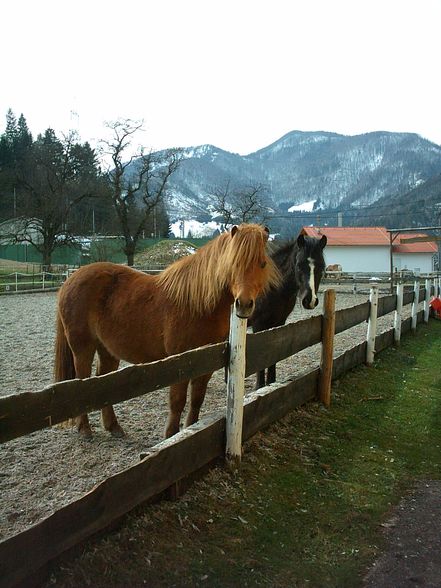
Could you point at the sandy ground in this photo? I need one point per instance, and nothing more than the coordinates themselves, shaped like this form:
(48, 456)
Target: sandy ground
(46, 470)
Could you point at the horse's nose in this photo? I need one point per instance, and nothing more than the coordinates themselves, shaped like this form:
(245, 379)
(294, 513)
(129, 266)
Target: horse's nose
(244, 308)
(309, 302)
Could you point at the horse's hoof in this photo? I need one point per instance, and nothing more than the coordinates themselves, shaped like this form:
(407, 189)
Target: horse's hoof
(85, 433)
(117, 431)
(170, 431)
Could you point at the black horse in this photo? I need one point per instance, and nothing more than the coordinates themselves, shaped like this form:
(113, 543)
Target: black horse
(301, 265)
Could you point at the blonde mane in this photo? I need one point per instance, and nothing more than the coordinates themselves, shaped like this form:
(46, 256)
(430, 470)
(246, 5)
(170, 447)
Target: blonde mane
(196, 283)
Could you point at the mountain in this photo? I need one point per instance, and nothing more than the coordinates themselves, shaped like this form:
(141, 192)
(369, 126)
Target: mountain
(333, 170)
(418, 207)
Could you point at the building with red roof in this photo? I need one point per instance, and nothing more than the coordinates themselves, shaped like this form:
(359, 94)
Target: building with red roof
(367, 249)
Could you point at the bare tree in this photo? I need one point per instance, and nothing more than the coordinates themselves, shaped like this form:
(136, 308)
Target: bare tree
(136, 184)
(243, 204)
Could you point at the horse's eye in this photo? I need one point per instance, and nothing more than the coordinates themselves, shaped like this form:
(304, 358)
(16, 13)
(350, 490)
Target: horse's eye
(263, 264)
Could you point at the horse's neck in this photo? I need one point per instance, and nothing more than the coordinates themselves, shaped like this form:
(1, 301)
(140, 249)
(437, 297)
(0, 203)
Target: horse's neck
(287, 267)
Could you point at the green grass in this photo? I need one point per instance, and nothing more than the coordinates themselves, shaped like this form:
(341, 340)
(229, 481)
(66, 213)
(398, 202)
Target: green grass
(306, 507)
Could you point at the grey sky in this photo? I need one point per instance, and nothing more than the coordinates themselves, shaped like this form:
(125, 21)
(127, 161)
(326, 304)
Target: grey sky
(235, 73)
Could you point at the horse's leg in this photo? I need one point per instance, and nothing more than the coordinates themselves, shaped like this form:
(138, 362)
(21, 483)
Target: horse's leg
(198, 389)
(271, 375)
(107, 363)
(177, 400)
(83, 368)
(260, 379)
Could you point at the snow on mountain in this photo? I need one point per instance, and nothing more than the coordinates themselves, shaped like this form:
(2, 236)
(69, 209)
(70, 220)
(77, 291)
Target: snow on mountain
(301, 168)
(194, 228)
(304, 207)
(335, 170)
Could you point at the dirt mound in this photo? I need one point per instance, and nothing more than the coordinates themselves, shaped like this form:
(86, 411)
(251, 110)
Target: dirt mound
(164, 253)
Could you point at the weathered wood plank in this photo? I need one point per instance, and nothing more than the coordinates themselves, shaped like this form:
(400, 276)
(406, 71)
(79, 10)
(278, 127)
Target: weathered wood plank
(268, 347)
(167, 462)
(386, 304)
(271, 403)
(348, 360)
(408, 297)
(21, 414)
(346, 318)
(384, 340)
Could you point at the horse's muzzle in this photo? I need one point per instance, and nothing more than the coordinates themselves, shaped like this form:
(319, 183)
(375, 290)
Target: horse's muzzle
(244, 309)
(309, 303)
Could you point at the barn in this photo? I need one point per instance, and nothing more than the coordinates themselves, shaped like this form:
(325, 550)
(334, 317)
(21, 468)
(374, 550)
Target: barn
(367, 249)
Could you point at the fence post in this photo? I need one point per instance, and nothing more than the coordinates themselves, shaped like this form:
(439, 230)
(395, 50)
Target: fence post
(16, 281)
(416, 295)
(327, 357)
(235, 388)
(398, 313)
(43, 278)
(428, 286)
(372, 326)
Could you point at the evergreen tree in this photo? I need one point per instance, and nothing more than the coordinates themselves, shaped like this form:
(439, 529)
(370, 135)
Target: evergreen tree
(11, 132)
(52, 178)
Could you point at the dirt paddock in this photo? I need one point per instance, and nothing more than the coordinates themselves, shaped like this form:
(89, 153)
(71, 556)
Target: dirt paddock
(48, 469)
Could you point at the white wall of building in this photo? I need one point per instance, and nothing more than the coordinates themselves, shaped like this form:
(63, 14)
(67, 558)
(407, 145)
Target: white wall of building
(415, 262)
(354, 258)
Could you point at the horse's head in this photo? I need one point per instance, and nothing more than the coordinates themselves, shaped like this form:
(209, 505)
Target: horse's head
(252, 271)
(310, 266)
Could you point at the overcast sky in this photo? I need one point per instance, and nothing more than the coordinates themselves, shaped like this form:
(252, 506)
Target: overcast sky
(238, 74)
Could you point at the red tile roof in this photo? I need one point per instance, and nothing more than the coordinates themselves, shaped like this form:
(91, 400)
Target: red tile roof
(368, 236)
(419, 247)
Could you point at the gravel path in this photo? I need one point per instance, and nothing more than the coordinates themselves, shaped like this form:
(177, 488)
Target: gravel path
(46, 470)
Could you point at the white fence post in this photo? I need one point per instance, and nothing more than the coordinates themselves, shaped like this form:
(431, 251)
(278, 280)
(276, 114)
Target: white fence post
(43, 279)
(398, 313)
(416, 295)
(372, 326)
(16, 281)
(428, 285)
(235, 388)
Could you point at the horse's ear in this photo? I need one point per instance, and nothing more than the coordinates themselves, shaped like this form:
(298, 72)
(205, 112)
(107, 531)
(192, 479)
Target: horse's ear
(234, 230)
(267, 231)
(323, 241)
(301, 240)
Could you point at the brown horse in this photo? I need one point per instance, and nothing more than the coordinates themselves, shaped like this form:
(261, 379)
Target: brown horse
(122, 313)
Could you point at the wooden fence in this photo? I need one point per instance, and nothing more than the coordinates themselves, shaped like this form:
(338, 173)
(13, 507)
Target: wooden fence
(193, 448)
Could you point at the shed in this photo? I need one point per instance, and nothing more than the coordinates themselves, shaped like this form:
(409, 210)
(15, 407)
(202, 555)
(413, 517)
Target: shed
(367, 249)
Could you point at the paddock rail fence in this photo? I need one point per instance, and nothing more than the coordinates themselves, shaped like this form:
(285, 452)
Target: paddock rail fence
(169, 465)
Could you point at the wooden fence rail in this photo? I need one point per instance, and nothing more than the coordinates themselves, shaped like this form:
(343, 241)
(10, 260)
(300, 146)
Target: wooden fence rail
(21, 414)
(178, 457)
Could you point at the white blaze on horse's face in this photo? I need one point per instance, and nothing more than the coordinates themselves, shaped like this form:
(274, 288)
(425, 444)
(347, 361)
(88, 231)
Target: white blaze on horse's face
(313, 302)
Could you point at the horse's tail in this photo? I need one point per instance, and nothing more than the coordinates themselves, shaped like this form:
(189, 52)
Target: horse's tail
(64, 368)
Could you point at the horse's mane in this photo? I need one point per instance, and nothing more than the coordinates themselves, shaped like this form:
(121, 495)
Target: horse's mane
(284, 255)
(196, 283)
